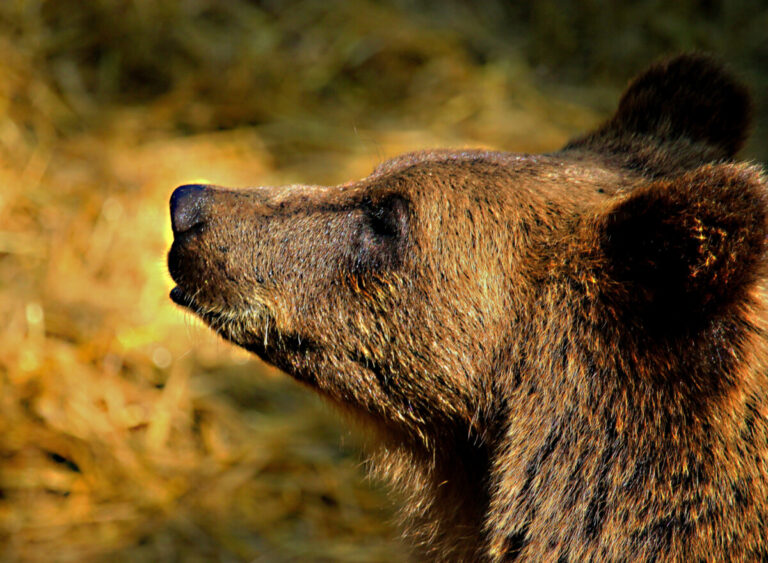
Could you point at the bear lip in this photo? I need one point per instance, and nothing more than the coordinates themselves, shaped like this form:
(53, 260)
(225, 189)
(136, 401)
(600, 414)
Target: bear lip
(180, 297)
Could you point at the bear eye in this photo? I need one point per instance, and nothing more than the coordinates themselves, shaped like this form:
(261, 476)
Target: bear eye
(388, 216)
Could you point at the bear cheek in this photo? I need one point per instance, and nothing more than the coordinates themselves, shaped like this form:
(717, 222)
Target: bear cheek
(295, 267)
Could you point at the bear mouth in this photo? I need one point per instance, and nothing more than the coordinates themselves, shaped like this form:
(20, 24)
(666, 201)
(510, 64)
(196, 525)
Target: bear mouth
(180, 297)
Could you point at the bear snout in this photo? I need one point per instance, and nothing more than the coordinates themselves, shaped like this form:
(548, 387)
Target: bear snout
(188, 207)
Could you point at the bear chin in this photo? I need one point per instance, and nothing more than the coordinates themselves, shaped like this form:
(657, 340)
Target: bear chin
(251, 329)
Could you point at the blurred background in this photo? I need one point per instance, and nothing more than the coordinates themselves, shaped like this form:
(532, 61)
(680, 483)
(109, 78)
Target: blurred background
(127, 431)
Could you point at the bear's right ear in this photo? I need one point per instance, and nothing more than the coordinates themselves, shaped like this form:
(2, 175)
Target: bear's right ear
(675, 250)
(675, 116)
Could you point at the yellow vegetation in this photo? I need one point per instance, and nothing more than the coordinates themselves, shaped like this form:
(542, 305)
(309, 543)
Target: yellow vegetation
(127, 431)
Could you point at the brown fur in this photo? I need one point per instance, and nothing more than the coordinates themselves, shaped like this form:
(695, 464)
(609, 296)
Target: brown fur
(563, 356)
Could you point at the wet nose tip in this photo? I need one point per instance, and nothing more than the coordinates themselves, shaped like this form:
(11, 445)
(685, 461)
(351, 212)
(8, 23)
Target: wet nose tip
(187, 204)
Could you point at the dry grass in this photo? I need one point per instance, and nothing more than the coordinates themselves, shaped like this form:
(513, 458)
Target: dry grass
(128, 432)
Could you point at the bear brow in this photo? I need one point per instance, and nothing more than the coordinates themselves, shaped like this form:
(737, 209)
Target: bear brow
(407, 161)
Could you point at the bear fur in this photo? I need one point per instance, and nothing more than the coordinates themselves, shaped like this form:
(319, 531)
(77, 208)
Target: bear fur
(562, 356)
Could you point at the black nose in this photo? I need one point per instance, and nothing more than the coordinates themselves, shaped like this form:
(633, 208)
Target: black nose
(187, 207)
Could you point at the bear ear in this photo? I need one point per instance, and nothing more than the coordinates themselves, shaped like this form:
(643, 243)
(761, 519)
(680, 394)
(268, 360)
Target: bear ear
(687, 247)
(690, 101)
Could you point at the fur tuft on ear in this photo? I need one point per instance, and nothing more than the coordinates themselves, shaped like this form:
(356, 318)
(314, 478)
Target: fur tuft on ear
(689, 106)
(688, 247)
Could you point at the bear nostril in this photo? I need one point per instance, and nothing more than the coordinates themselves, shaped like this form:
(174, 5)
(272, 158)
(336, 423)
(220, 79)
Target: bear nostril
(188, 207)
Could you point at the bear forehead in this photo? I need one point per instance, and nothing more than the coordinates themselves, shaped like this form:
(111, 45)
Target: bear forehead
(540, 171)
(571, 178)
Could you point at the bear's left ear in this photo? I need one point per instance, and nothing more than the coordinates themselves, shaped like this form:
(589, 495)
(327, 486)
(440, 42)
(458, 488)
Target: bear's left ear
(688, 246)
(677, 115)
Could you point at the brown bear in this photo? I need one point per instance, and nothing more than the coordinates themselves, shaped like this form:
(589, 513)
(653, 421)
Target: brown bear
(562, 356)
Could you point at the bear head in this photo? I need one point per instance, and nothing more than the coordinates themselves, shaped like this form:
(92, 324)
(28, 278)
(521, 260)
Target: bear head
(548, 347)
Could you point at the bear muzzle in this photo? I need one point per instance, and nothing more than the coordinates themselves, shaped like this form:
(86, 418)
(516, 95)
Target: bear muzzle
(212, 263)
